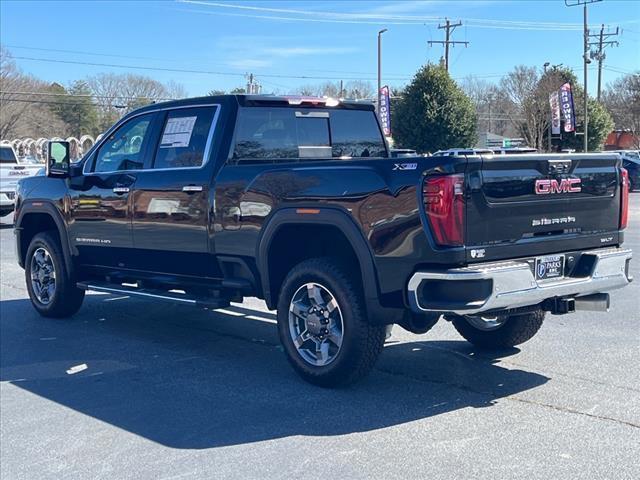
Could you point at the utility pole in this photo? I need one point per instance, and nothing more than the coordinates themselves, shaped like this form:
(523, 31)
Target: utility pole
(379, 69)
(586, 60)
(448, 28)
(253, 87)
(599, 54)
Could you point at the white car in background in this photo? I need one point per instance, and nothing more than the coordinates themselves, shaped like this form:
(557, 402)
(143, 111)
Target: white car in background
(10, 172)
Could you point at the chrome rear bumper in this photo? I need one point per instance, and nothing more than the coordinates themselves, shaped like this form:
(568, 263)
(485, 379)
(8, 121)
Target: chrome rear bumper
(511, 284)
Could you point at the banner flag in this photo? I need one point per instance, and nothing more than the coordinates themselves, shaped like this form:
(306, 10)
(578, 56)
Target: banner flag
(384, 110)
(568, 112)
(554, 102)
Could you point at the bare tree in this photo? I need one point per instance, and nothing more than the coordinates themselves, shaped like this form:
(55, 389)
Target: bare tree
(527, 93)
(359, 89)
(492, 108)
(120, 93)
(622, 99)
(22, 114)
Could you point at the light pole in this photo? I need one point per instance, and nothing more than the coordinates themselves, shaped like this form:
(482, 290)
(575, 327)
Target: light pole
(379, 68)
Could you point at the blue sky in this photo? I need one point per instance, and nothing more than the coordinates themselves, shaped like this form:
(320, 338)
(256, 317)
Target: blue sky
(279, 41)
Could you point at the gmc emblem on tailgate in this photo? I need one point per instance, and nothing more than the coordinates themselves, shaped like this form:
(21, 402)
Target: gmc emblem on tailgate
(565, 185)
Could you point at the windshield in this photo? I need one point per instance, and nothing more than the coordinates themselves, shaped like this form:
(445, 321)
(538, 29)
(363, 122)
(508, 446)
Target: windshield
(7, 155)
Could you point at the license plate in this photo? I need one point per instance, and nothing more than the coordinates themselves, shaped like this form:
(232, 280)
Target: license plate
(549, 267)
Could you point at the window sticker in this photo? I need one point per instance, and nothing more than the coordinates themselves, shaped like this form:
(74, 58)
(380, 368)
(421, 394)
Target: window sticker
(177, 132)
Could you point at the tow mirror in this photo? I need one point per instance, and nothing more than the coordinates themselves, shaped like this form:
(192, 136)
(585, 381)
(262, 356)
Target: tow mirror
(58, 159)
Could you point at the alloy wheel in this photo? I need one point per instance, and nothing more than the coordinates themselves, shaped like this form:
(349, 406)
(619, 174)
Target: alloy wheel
(43, 276)
(316, 324)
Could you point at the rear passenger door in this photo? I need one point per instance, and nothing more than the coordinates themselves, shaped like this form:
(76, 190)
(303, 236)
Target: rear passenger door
(171, 196)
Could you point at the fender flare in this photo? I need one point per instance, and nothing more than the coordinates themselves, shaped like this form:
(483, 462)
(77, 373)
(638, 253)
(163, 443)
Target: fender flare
(326, 216)
(45, 207)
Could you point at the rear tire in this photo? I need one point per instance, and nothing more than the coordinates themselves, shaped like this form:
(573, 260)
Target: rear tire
(51, 288)
(320, 298)
(512, 330)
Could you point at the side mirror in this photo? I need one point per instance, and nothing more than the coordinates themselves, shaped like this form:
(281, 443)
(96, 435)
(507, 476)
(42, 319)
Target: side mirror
(58, 159)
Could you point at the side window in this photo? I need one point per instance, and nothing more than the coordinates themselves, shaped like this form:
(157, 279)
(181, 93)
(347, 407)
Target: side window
(268, 134)
(355, 133)
(184, 138)
(124, 149)
(265, 134)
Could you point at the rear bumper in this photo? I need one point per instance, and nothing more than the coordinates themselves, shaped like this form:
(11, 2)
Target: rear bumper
(512, 284)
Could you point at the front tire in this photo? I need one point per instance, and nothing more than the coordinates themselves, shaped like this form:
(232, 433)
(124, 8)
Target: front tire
(501, 331)
(323, 326)
(52, 290)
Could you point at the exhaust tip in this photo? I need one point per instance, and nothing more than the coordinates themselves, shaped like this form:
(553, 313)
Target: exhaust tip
(597, 302)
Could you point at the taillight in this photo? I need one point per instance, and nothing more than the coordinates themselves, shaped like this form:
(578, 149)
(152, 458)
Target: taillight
(624, 195)
(444, 207)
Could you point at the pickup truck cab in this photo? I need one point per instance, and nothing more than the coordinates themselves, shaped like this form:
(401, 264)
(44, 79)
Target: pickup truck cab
(10, 172)
(295, 200)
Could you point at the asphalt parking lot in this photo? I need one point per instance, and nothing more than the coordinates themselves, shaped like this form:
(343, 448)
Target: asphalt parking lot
(174, 392)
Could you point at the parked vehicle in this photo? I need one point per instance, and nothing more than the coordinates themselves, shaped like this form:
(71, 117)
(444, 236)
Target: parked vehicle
(452, 152)
(402, 152)
(514, 150)
(631, 161)
(293, 200)
(10, 172)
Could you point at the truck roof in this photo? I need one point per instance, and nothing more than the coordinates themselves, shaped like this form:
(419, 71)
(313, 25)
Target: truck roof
(267, 100)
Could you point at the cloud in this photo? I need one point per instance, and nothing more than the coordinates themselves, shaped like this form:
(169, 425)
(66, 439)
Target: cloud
(247, 63)
(286, 52)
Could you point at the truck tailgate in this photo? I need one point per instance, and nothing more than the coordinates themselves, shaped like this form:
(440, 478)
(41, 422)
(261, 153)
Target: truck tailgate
(542, 203)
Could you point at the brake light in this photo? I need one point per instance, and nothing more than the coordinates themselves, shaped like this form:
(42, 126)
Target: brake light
(444, 207)
(624, 194)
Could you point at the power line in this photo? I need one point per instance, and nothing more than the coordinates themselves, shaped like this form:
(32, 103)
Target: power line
(267, 13)
(83, 95)
(178, 70)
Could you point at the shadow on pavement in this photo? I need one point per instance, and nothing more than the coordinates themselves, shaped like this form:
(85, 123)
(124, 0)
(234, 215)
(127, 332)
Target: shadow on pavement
(178, 377)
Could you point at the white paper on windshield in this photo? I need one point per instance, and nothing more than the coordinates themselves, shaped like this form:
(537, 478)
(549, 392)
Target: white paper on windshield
(177, 132)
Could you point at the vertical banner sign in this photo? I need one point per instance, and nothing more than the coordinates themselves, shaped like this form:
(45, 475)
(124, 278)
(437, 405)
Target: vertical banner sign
(385, 110)
(554, 103)
(566, 104)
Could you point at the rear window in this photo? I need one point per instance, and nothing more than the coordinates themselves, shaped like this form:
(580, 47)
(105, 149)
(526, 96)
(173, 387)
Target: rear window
(7, 155)
(266, 134)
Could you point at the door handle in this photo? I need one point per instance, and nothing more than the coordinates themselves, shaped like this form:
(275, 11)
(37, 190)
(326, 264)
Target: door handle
(120, 190)
(192, 188)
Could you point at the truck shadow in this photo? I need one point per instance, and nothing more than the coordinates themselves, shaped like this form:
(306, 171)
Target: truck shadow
(180, 378)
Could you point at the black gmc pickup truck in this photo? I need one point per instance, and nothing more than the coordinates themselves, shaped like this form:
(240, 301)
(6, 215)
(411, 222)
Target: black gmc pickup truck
(296, 201)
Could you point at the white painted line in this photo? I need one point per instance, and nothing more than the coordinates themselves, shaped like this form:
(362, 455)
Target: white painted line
(77, 368)
(262, 319)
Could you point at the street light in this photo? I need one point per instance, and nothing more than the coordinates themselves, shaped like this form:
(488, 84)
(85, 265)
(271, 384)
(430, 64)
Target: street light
(546, 64)
(379, 68)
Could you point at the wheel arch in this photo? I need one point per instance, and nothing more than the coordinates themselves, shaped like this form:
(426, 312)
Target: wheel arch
(334, 223)
(37, 218)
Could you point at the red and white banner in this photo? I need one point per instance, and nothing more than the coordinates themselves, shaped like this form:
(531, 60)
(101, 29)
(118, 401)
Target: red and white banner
(384, 110)
(566, 104)
(554, 103)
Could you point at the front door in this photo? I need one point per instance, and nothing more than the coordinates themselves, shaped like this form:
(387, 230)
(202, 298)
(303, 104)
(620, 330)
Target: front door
(171, 197)
(100, 219)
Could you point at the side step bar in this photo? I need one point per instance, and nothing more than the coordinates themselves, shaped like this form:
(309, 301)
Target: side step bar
(149, 293)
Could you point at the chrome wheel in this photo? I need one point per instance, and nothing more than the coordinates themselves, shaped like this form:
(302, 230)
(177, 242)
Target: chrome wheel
(486, 323)
(315, 324)
(43, 276)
